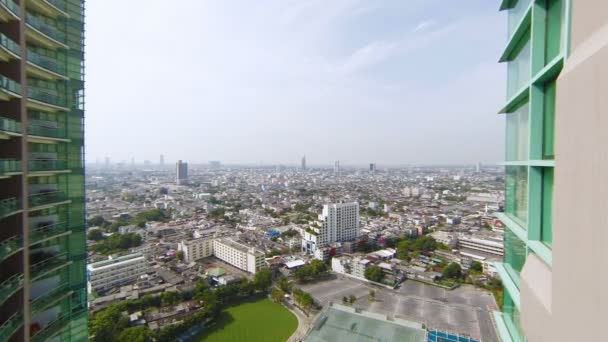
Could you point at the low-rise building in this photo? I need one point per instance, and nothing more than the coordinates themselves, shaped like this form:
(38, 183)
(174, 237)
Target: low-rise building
(196, 249)
(238, 255)
(107, 274)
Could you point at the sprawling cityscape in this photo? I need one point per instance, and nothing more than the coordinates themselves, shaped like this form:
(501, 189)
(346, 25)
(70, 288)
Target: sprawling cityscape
(176, 249)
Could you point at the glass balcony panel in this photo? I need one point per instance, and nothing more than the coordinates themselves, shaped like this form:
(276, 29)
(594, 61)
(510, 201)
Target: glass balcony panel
(10, 45)
(10, 286)
(9, 125)
(52, 328)
(518, 69)
(9, 166)
(9, 205)
(9, 247)
(46, 96)
(516, 14)
(10, 85)
(512, 317)
(517, 134)
(46, 63)
(516, 194)
(45, 198)
(12, 6)
(45, 232)
(46, 28)
(48, 264)
(8, 328)
(45, 131)
(60, 4)
(47, 165)
(50, 297)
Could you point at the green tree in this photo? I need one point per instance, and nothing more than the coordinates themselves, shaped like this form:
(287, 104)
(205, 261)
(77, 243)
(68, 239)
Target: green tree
(95, 235)
(476, 266)
(352, 299)
(374, 273)
(180, 255)
(344, 300)
(263, 279)
(135, 334)
(403, 249)
(452, 271)
(284, 284)
(277, 295)
(169, 298)
(107, 324)
(97, 221)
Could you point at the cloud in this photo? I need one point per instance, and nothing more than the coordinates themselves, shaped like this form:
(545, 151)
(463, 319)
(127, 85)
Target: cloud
(424, 25)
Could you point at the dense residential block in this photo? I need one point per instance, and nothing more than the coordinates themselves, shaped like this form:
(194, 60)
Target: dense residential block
(42, 207)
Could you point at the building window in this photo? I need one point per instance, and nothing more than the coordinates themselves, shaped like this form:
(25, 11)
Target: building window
(549, 120)
(517, 135)
(512, 317)
(547, 207)
(516, 196)
(518, 69)
(515, 255)
(553, 29)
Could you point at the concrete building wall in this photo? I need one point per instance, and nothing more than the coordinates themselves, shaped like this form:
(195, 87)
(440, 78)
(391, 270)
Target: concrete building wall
(580, 256)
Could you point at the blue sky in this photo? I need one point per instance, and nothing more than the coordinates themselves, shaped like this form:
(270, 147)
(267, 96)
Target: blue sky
(391, 82)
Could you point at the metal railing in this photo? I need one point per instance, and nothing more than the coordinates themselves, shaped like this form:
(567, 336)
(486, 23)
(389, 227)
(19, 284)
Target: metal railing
(10, 45)
(48, 298)
(10, 286)
(45, 198)
(46, 96)
(46, 232)
(10, 85)
(41, 268)
(47, 29)
(47, 165)
(8, 328)
(9, 205)
(9, 247)
(11, 6)
(44, 131)
(46, 63)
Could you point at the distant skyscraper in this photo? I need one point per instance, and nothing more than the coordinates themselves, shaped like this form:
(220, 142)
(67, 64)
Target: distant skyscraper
(303, 163)
(162, 160)
(181, 172)
(107, 162)
(338, 223)
(132, 161)
(478, 167)
(337, 167)
(372, 167)
(215, 164)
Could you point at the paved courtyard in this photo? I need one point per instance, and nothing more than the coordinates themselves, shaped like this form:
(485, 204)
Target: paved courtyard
(465, 310)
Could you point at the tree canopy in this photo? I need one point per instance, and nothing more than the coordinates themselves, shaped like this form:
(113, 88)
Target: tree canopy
(374, 273)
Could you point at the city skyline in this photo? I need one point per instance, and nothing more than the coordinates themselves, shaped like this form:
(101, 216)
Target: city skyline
(336, 83)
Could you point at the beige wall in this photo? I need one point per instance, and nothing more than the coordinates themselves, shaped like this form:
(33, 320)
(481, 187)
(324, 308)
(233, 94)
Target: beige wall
(580, 243)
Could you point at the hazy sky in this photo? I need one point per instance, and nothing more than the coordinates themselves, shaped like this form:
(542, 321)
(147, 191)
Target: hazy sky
(391, 82)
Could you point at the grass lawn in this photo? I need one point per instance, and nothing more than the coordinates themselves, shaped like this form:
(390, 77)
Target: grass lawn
(258, 321)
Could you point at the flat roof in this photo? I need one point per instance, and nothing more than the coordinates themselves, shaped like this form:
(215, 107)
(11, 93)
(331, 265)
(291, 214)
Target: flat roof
(338, 325)
(295, 263)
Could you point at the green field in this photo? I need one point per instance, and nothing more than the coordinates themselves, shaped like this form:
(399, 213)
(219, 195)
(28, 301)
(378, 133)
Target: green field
(262, 320)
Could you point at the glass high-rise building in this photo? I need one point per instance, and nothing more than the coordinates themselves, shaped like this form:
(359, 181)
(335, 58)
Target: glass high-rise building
(556, 166)
(42, 198)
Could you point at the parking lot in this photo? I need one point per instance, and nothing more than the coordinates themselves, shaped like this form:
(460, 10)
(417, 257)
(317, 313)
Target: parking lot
(465, 310)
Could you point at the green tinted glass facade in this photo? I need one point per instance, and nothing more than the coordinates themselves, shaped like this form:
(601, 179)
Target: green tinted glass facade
(42, 209)
(535, 52)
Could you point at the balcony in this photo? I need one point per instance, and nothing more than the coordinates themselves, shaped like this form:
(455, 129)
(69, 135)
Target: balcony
(47, 199)
(48, 265)
(44, 33)
(9, 89)
(9, 247)
(9, 49)
(49, 165)
(45, 67)
(9, 127)
(46, 131)
(9, 206)
(51, 8)
(52, 328)
(9, 167)
(9, 10)
(10, 326)
(10, 286)
(43, 99)
(49, 298)
(44, 233)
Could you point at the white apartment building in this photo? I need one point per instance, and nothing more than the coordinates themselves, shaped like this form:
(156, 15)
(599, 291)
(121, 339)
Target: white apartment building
(338, 223)
(196, 249)
(488, 245)
(238, 255)
(104, 275)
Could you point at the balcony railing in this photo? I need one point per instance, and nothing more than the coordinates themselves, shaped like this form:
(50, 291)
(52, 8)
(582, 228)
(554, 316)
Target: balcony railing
(10, 44)
(44, 131)
(8, 328)
(46, 63)
(11, 5)
(45, 96)
(52, 328)
(10, 286)
(46, 232)
(48, 265)
(60, 4)
(9, 166)
(10, 85)
(47, 165)
(50, 297)
(9, 247)
(9, 125)
(45, 198)
(46, 28)
(9, 205)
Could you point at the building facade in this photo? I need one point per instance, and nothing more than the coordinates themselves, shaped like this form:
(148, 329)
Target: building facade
(107, 274)
(555, 234)
(338, 223)
(238, 255)
(196, 249)
(181, 173)
(42, 202)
